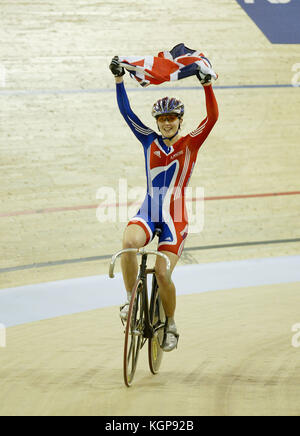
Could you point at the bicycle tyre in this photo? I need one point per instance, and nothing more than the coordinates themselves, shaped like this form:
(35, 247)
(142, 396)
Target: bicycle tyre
(157, 319)
(133, 333)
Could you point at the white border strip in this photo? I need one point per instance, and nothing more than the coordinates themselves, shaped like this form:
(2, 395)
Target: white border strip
(49, 300)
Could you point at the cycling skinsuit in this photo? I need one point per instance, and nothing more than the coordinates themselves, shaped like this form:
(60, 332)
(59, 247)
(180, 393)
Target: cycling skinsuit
(168, 171)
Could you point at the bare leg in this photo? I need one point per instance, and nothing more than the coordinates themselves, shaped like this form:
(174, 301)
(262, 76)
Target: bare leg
(167, 289)
(134, 237)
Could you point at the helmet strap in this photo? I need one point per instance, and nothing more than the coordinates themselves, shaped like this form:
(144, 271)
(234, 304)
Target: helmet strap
(170, 139)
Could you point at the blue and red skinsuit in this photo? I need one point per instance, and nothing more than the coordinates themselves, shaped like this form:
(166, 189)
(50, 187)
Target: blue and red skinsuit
(168, 171)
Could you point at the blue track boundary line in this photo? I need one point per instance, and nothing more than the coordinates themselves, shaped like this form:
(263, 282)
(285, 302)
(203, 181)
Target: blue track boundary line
(33, 92)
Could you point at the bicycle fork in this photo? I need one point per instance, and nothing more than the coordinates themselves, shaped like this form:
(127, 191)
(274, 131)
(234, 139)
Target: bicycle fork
(148, 329)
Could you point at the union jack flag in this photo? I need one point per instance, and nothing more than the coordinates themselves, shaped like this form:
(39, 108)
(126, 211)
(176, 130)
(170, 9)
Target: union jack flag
(177, 64)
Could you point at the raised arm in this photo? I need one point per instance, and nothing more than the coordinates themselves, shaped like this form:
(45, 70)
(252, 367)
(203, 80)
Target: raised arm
(142, 132)
(199, 135)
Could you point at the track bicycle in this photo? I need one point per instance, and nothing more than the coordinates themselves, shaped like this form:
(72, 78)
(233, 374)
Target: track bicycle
(145, 322)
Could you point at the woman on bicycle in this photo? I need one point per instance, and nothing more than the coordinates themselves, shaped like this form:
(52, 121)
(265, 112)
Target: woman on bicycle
(169, 161)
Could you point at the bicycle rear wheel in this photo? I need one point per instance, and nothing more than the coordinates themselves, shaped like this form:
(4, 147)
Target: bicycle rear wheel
(157, 319)
(133, 333)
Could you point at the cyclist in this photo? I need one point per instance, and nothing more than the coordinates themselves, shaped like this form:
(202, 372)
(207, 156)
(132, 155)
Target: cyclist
(169, 161)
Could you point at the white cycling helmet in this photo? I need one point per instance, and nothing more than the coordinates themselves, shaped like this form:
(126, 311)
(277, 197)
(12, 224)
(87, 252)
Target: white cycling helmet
(167, 106)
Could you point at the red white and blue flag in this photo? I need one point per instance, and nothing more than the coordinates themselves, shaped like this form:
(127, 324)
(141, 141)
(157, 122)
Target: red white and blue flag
(177, 64)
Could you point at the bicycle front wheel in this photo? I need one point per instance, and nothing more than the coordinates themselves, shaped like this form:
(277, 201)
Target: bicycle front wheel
(158, 320)
(133, 333)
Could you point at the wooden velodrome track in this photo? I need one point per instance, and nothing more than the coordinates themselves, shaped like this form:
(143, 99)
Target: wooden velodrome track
(59, 145)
